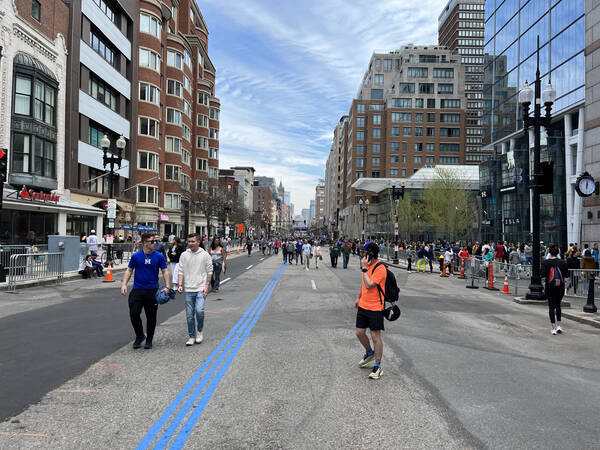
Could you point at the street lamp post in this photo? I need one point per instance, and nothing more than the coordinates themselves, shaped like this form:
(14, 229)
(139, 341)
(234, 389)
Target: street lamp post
(364, 208)
(536, 291)
(111, 161)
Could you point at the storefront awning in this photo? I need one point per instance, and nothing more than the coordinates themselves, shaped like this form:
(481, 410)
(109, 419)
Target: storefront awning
(13, 199)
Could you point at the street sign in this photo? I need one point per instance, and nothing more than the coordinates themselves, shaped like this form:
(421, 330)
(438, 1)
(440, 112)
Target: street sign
(111, 209)
(227, 230)
(111, 224)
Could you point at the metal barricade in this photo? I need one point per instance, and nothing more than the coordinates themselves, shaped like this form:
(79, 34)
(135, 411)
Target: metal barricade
(34, 267)
(578, 283)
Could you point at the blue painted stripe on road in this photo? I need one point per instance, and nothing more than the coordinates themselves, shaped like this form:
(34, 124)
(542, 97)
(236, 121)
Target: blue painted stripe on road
(188, 426)
(172, 408)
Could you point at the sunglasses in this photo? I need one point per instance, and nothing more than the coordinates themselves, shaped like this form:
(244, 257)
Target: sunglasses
(153, 241)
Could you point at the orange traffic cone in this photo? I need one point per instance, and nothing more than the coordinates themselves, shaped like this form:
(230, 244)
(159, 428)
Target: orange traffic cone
(444, 274)
(228, 253)
(108, 278)
(505, 290)
(462, 269)
(238, 251)
(490, 285)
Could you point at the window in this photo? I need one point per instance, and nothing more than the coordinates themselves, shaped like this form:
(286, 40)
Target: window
(95, 134)
(449, 148)
(43, 163)
(185, 158)
(387, 64)
(418, 131)
(393, 172)
(406, 131)
(213, 172)
(201, 185)
(404, 146)
(172, 173)
(418, 117)
(101, 92)
(21, 153)
(213, 153)
(450, 118)
(360, 121)
(430, 160)
(172, 201)
(418, 159)
(450, 104)
(147, 161)
(201, 164)
(214, 113)
(394, 159)
(426, 88)
(187, 109)
(174, 88)
(376, 119)
(148, 194)
(149, 59)
(418, 146)
(395, 131)
(430, 117)
(418, 103)
(23, 96)
(403, 172)
(35, 10)
(450, 132)
(187, 84)
(203, 98)
(173, 116)
(360, 149)
(444, 88)
(403, 159)
(202, 120)
(202, 142)
(430, 131)
(150, 24)
(375, 174)
(148, 127)
(100, 46)
(360, 162)
(360, 135)
(107, 10)
(402, 103)
(431, 103)
(172, 144)
(360, 174)
(187, 59)
(406, 88)
(378, 64)
(186, 133)
(43, 103)
(401, 117)
(417, 72)
(448, 159)
(375, 161)
(395, 146)
(376, 94)
(376, 148)
(376, 133)
(430, 147)
(378, 79)
(214, 133)
(174, 59)
(360, 107)
(149, 93)
(443, 72)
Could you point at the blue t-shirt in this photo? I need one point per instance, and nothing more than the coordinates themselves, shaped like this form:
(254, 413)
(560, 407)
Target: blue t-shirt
(146, 268)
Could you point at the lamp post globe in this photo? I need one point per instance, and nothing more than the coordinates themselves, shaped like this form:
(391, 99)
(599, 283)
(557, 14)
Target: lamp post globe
(121, 143)
(548, 94)
(526, 94)
(105, 142)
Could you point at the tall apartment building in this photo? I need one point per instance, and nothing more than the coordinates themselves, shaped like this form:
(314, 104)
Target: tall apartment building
(33, 94)
(101, 100)
(510, 60)
(178, 118)
(461, 28)
(335, 174)
(245, 178)
(320, 216)
(409, 113)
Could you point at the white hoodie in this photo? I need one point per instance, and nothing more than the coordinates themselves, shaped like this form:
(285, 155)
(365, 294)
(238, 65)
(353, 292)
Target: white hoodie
(195, 267)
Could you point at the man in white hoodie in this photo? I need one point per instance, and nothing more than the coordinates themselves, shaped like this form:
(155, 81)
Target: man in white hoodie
(195, 272)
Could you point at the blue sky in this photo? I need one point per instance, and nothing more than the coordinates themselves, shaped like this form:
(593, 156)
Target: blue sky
(288, 70)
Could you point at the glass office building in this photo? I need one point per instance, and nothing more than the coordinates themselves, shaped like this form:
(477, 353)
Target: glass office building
(511, 31)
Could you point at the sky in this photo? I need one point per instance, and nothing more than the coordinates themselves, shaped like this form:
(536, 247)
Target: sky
(288, 70)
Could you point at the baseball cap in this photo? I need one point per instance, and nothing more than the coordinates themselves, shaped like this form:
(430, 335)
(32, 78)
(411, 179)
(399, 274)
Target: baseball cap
(163, 297)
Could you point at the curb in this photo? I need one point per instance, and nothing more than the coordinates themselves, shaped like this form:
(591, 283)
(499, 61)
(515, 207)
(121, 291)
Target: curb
(524, 301)
(593, 320)
(66, 277)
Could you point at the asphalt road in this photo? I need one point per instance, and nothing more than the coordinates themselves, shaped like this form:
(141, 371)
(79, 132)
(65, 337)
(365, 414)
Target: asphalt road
(72, 327)
(462, 369)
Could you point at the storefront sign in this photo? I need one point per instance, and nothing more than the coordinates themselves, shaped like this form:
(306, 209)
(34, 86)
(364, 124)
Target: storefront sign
(240, 227)
(163, 217)
(37, 196)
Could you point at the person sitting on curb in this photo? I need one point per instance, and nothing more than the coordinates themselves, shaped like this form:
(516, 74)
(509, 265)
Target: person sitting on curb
(97, 266)
(86, 268)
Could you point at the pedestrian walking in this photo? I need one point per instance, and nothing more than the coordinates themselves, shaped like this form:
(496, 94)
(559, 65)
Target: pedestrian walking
(291, 246)
(195, 274)
(317, 254)
(554, 271)
(175, 251)
(299, 251)
(369, 307)
(335, 253)
(346, 250)
(306, 253)
(249, 246)
(421, 255)
(145, 266)
(219, 262)
(92, 243)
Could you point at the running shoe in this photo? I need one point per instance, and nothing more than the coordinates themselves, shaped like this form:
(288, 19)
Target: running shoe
(366, 360)
(138, 341)
(558, 329)
(376, 373)
(190, 341)
(199, 337)
(553, 331)
(148, 345)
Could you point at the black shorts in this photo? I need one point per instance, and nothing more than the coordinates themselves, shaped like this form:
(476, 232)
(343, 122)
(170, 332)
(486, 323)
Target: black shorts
(369, 319)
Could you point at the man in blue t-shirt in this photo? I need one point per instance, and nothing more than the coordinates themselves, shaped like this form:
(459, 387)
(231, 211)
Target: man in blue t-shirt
(145, 265)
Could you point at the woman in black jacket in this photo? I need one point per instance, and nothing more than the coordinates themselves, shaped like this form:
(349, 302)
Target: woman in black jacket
(554, 271)
(175, 251)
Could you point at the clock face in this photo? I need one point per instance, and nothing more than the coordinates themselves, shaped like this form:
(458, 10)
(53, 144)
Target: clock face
(587, 186)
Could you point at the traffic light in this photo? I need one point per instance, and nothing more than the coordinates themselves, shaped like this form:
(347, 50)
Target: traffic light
(3, 172)
(547, 177)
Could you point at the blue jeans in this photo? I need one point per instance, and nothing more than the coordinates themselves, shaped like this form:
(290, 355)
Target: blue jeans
(194, 311)
(346, 257)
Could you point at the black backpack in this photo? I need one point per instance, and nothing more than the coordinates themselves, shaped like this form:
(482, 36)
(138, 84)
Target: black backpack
(391, 293)
(555, 277)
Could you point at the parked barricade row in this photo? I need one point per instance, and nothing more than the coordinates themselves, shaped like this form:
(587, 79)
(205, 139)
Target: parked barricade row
(35, 267)
(578, 283)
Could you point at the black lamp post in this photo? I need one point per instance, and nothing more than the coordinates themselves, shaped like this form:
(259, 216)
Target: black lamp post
(536, 290)
(111, 161)
(364, 209)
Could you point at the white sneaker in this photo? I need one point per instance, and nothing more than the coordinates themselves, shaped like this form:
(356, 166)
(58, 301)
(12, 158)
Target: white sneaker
(199, 337)
(553, 331)
(189, 342)
(558, 329)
